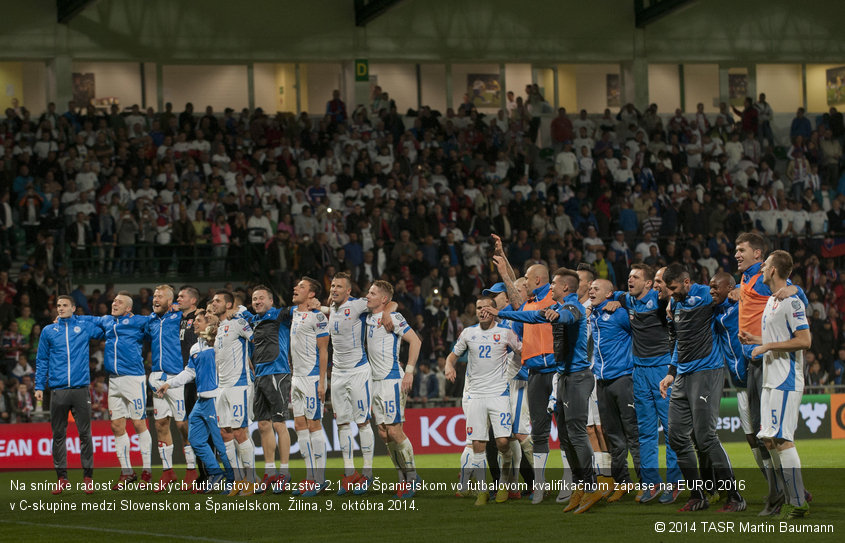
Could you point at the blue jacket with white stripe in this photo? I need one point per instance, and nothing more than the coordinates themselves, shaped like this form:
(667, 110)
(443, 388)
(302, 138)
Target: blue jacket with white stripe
(612, 355)
(63, 354)
(124, 340)
(165, 343)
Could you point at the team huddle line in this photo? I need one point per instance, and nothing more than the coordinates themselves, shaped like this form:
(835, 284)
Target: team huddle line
(611, 367)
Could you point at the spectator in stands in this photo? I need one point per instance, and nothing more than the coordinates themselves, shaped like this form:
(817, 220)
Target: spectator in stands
(22, 369)
(7, 404)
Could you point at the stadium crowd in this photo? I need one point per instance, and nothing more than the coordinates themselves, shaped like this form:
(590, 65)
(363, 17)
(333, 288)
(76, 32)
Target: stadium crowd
(412, 199)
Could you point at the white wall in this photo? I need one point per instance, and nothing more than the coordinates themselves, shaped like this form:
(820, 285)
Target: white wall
(264, 83)
(399, 81)
(121, 80)
(517, 76)
(664, 86)
(35, 87)
(433, 82)
(215, 86)
(319, 81)
(782, 85)
(592, 86)
(701, 85)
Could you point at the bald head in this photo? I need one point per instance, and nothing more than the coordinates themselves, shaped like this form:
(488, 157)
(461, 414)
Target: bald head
(724, 277)
(721, 286)
(537, 276)
(600, 290)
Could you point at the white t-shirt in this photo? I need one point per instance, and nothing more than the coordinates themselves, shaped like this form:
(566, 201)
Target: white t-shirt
(383, 346)
(487, 358)
(566, 163)
(783, 371)
(346, 326)
(305, 328)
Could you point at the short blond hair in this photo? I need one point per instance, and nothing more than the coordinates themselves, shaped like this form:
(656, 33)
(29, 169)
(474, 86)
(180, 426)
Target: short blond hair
(167, 288)
(385, 287)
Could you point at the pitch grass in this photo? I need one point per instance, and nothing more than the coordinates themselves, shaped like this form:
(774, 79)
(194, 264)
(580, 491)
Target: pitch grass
(436, 517)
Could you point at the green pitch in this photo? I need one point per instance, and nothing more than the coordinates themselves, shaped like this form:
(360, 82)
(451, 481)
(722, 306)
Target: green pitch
(434, 516)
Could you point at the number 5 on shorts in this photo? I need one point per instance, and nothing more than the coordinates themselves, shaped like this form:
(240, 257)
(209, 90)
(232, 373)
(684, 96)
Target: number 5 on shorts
(774, 416)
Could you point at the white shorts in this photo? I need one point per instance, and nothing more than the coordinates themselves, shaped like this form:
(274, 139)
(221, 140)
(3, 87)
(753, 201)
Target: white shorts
(352, 395)
(593, 418)
(128, 397)
(388, 401)
(494, 411)
(744, 411)
(779, 413)
(234, 406)
(519, 407)
(173, 403)
(304, 399)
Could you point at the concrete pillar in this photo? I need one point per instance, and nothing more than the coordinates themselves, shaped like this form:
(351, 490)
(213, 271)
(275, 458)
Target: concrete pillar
(250, 86)
(60, 81)
(634, 75)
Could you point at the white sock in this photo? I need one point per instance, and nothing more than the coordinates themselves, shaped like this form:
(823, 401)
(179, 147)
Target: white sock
(345, 436)
(597, 462)
(791, 465)
(505, 466)
(479, 468)
(776, 463)
(145, 442)
(758, 457)
(270, 469)
(304, 439)
(527, 446)
(166, 453)
(605, 464)
(368, 445)
(190, 457)
(318, 446)
(405, 453)
(246, 454)
(540, 460)
(121, 446)
(466, 468)
(516, 453)
(284, 469)
(232, 456)
(394, 457)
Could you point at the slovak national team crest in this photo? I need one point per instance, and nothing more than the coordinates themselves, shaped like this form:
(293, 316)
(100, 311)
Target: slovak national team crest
(497, 337)
(347, 312)
(469, 430)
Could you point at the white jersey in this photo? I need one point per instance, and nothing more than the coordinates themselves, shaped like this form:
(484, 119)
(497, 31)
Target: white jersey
(487, 358)
(383, 346)
(231, 352)
(305, 328)
(346, 326)
(783, 371)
